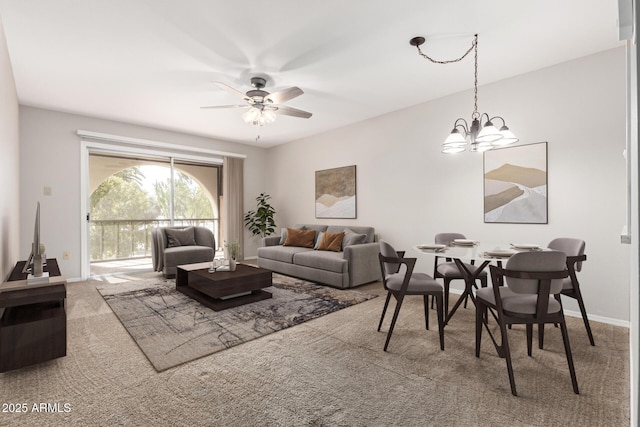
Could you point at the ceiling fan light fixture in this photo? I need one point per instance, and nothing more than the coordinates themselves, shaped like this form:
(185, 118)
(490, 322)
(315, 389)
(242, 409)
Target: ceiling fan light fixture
(263, 107)
(268, 116)
(259, 116)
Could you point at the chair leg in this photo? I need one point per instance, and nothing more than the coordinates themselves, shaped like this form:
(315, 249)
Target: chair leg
(384, 310)
(529, 328)
(541, 327)
(583, 310)
(479, 319)
(567, 349)
(426, 311)
(393, 321)
(440, 320)
(446, 296)
(447, 282)
(507, 356)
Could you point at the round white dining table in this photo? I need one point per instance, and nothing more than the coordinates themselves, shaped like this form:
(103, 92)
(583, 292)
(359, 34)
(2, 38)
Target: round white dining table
(477, 253)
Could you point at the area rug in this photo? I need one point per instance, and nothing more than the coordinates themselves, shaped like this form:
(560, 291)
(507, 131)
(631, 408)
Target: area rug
(170, 328)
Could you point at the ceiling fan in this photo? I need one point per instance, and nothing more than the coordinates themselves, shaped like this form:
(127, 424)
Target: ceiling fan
(264, 106)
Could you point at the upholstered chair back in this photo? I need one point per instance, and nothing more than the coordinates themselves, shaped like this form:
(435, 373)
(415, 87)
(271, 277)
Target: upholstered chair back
(387, 251)
(535, 261)
(571, 247)
(446, 238)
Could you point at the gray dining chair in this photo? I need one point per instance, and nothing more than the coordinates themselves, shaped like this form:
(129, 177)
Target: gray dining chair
(521, 294)
(574, 249)
(399, 280)
(448, 270)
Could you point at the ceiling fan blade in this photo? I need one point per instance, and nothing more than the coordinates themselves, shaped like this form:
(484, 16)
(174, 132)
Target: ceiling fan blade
(232, 90)
(289, 111)
(226, 106)
(284, 95)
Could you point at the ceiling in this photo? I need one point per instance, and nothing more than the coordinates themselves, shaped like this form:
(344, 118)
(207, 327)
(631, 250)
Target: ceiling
(152, 62)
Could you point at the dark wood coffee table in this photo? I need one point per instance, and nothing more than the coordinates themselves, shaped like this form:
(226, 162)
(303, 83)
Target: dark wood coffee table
(223, 289)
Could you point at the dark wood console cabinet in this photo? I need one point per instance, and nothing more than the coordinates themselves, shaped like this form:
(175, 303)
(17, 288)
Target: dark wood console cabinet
(33, 318)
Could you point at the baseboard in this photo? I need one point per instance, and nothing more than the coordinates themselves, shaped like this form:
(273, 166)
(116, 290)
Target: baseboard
(571, 313)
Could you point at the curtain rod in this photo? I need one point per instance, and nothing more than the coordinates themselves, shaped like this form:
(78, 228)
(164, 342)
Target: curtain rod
(149, 143)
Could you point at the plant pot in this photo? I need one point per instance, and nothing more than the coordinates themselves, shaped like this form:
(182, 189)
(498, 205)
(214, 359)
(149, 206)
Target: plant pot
(232, 264)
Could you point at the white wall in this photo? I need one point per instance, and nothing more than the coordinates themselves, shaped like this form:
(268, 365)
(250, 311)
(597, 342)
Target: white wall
(50, 156)
(409, 191)
(9, 141)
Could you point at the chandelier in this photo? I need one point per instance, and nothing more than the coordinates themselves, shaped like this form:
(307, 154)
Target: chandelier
(257, 115)
(477, 137)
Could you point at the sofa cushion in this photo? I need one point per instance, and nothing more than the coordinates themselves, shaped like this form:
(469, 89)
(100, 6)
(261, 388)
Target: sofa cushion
(368, 231)
(300, 238)
(187, 255)
(331, 242)
(323, 260)
(352, 238)
(180, 237)
(280, 253)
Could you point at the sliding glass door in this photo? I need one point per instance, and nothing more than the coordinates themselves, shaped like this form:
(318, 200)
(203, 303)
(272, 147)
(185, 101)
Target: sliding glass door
(130, 194)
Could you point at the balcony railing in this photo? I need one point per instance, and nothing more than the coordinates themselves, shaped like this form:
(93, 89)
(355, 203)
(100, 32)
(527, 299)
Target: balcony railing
(120, 239)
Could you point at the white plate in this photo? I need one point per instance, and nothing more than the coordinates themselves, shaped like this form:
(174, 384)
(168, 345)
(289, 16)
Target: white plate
(525, 246)
(500, 253)
(463, 242)
(431, 246)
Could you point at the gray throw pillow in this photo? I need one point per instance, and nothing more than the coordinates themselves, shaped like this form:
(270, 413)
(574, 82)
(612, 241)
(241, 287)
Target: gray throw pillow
(180, 237)
(353, 238)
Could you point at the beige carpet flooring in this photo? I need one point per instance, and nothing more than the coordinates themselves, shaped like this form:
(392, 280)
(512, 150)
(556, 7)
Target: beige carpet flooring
(330, 371)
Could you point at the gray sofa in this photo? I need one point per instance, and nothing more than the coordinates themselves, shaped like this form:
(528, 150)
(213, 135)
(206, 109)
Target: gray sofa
(173, 246)
(354, 265)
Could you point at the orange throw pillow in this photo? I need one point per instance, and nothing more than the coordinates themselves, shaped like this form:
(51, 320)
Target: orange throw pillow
(301, 238)
(331, 242)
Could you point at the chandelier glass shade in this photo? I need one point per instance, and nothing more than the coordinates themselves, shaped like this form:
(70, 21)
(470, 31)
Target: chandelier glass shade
(481, 135)
(259, 116)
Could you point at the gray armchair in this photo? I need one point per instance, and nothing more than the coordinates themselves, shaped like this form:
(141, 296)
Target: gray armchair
(173, 246)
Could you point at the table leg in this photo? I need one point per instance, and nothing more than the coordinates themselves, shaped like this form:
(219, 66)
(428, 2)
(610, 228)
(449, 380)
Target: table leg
(469, 284)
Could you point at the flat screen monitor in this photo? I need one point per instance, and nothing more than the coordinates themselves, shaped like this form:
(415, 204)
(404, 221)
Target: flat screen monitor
(35, 254)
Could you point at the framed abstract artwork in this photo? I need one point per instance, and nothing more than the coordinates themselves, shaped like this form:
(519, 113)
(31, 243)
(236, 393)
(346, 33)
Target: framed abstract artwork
(515, 185)
(336, 192)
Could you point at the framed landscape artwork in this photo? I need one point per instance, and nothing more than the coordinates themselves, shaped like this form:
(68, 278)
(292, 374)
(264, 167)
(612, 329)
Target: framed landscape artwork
(515, 185)
(336, 193)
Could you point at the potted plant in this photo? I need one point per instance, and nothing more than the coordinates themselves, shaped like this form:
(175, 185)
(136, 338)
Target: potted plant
(260, 221)
(233, 251)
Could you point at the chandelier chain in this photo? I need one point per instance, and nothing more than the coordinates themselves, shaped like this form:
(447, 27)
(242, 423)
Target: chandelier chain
(475, 113)
(435, 61)
(474, 47)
